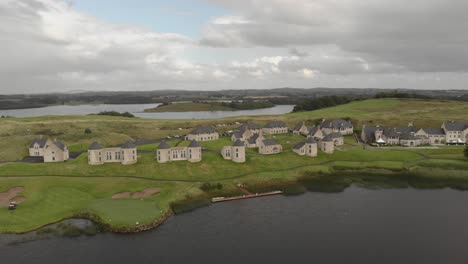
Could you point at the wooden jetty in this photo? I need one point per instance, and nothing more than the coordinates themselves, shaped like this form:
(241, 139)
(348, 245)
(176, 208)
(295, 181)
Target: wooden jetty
(246, 196)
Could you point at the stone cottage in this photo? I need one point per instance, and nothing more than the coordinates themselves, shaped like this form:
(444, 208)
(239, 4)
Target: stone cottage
(236, 152)
(455, 132)
(191, 153)
(125, 154)
(327, 144)
(251, 134)
(269, 147)
(307, 148)
(301, 129)
(337, 126)
(205, 133)
(275, 127)
(50, 150)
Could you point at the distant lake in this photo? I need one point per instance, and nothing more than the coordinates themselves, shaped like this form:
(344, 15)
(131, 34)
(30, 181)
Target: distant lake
(404, 226)
(137, 110)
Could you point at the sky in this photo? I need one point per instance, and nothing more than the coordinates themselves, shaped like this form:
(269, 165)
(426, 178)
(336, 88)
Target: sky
(137, 45)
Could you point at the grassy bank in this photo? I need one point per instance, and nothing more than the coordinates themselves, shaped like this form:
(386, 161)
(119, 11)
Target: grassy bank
(58, 191)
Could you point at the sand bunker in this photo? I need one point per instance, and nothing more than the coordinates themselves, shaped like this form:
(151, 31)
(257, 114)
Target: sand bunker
(148, 192)
(11, 196)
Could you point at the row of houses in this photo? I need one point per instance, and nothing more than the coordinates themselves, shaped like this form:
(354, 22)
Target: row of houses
(450, 132)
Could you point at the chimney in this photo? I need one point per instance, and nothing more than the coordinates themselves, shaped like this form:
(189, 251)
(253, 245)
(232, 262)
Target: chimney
(410, 124)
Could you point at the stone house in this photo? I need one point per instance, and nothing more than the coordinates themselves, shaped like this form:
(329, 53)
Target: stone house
(205, 133)
(250, 134)
(301, 129)
(455, 132)
(386, 135)
(236, 152)
(431, 136)
(191, 153)
(315, 132)
(50, 150)
(337, 126)
(275, 127)
(269, 147)
(337, 137)
(307, 148)
(410, 140)
(327, 144)
(125, 154)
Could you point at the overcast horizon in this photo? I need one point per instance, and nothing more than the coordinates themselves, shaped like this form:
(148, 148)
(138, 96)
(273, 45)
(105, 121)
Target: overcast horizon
(50, 46)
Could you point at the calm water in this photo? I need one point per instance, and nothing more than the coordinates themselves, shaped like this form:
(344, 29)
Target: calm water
(137, 110)
(356, 226)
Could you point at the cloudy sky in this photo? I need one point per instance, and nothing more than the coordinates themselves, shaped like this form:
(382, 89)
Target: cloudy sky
(58, 45)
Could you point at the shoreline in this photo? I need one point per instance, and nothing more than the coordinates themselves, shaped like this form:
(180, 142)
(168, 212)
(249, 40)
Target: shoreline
(312, 182)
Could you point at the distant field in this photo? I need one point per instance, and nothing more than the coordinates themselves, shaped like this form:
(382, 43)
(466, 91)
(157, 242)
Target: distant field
(57, 191)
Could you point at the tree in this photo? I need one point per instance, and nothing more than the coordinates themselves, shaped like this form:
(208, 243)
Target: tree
(466, 151)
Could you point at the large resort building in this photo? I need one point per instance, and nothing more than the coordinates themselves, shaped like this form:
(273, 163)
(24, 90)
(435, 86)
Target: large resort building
(275, 127)
(191, 153)
(205, 133)
(49, 150)
(269, 147)
(450, 133)
(125, 154)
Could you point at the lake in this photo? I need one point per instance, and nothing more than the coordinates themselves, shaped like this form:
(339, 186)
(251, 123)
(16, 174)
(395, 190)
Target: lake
(137, 110)
(355, 226)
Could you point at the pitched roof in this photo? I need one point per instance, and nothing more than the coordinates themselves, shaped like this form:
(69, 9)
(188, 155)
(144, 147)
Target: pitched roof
(40, 141)
(455, 126)
(238, 143)
(313, 130)
(311, 141)
(203, 130)
(298, 126)
(95, 146)
(253, 139)
(335, 135)
(194, 144)
(164, 145)
(60, 145)
(237, 134)
(327, 138)
(434, 131)
(299, 145)
(336, 124)
(128, 145)
(275, 124)
(270, 142)
(408, 136)
(249, 126)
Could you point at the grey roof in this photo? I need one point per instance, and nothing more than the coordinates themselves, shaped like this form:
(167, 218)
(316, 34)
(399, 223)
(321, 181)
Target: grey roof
(336, 124)
(237, 134)
(270, 142)
(455, 126)
(298, 126)
(299, 145)
(311, 141)
(253, 138)
(313, 130)
(60, 144)
(203, 130)
(164, 145)
(335, 135)
(40, 141)
(128, 145)
(434, 131)
(95, 146)
(327, 138)
(275, 124)
(249, 126)
(408, 136)
(238, 143)
(194, 144)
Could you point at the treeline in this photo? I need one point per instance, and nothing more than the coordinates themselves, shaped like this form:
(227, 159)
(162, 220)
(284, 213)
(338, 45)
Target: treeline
(247, 105)
(323, 102)
(115, 113)
(396, 94)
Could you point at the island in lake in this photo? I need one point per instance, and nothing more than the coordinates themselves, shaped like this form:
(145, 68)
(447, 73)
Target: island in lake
(131, 174)
(210, 106)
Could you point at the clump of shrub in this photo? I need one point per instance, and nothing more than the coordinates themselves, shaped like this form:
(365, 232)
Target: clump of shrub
(206, 187)
(115, 113)
(466, 151)
(188, 205)
(88, 131)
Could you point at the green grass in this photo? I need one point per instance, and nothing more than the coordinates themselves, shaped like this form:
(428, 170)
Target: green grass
(88, 189)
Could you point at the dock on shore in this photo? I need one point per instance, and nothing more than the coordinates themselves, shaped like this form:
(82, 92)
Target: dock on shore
(246, 196)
